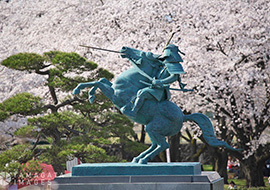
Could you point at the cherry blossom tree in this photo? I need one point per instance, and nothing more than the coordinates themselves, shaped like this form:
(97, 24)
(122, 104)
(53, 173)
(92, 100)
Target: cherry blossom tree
(244, 102)
(235, 85)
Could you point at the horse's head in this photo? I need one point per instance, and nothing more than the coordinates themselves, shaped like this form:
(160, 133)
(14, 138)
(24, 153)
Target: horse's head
(140, 57)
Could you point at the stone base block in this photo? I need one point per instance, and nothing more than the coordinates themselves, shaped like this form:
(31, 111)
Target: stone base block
(204, 181)
(127, 176)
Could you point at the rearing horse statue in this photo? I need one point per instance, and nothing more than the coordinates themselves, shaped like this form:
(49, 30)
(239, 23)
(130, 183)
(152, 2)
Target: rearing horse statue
(161, 118)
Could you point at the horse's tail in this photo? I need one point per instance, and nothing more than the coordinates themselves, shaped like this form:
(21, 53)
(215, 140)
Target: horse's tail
(208, 131)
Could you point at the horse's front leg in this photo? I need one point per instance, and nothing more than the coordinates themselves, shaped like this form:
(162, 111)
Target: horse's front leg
(81, 86)
(93, 89)
(103, 84)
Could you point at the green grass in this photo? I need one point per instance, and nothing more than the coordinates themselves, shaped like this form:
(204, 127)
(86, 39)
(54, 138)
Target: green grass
(207, 168)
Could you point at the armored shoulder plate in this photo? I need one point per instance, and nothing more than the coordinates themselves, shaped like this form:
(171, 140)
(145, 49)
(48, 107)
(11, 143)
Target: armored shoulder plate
(175, 68)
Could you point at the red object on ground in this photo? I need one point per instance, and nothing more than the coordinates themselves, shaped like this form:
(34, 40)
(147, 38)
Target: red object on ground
(67, 172)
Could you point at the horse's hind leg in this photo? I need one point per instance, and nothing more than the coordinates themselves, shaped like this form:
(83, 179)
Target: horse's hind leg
(161, 143)
(143, 154)
(157, 139)
(93, 89)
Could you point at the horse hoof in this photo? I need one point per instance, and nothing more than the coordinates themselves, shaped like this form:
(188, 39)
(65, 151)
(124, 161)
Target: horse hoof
(135, 160)
(91, 99)
(76, 91)
(142, 161)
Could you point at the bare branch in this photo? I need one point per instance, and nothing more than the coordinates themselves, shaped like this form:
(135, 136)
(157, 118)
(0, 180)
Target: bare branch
(221, 49)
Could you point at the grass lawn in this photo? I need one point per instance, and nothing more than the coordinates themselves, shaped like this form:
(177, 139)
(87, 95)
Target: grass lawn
(207, 168)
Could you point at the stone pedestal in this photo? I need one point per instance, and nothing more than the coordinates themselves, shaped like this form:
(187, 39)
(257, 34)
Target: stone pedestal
(129, 176)
(130, 169)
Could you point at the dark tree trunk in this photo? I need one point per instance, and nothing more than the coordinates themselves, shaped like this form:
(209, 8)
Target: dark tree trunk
(220, 159)
(174, 142)
(193, 150)
(142, 140)
(253, 175)
(253, 172)
(252, 167)
(53, 94)
(56, 135)
(221, 164)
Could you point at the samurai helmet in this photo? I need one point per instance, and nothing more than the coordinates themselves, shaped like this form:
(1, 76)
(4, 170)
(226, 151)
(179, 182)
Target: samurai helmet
(171, 55)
